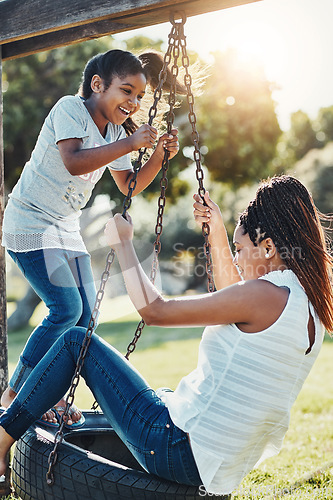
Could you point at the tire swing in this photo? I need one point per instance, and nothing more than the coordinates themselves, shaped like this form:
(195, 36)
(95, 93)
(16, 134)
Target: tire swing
(92, 463)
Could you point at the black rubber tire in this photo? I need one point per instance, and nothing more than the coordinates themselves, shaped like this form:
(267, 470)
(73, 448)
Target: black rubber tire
(107, 471)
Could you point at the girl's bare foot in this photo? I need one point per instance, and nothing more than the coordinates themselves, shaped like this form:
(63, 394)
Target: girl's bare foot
(6, 442)
(7, 397)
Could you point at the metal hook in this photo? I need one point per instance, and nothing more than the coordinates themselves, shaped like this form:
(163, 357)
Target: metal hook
(177, 14)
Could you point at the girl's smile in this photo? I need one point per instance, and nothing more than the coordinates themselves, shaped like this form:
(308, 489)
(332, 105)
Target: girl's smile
(119, 101)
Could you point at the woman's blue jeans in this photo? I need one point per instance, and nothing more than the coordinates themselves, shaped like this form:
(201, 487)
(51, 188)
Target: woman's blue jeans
(63, 279)
(135, 411)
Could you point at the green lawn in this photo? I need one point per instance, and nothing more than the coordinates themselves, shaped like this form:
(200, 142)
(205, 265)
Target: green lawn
(304, 467)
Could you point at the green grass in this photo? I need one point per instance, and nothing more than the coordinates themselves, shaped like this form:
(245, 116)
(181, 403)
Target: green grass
(304, 467)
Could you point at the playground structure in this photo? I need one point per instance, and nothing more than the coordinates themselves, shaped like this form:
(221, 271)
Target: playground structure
(53, 25)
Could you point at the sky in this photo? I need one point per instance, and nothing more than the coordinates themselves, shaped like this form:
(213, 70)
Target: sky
(292, 38)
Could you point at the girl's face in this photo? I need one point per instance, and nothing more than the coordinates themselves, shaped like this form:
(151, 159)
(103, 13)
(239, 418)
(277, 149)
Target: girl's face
(121, 100)
(250, 260)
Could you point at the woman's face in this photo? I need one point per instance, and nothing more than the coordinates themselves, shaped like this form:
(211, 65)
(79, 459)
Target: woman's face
(250, 260)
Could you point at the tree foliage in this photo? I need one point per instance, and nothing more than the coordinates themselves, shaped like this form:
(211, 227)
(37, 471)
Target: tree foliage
(237, 121)
(304, 135)
(33, 84)
(315, 169)
(324, 125)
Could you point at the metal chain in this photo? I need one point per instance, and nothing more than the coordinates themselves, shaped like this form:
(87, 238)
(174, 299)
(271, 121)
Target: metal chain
(196, 155)
(151, 115)
(173, 48)
(177, 39)
(110, 258)
(81, 358)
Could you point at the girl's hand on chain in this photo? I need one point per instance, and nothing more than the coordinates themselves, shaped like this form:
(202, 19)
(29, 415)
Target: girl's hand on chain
(144, 137)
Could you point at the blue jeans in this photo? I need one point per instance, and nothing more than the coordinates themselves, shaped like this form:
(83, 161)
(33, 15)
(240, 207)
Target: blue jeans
(63, 279)
(135, 411)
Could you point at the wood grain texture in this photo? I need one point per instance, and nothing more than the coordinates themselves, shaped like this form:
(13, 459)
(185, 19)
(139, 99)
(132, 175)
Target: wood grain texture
(45, 22)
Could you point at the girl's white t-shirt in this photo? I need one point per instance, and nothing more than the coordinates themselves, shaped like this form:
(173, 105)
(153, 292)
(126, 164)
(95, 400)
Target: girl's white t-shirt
(236, 404)
(45, 205)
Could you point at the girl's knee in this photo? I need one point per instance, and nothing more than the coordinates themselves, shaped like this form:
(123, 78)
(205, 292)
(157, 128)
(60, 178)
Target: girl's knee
(84, 319)
(66, 315)
(73, 339)
(75, 334)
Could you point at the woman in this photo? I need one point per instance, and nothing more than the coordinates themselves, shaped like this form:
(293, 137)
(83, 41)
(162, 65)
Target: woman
(265, 330)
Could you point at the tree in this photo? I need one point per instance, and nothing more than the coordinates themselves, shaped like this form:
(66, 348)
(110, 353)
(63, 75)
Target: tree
(324, 124)
(140, 43)
(315, 170)
(33, 85)
(237, 121)
(302, 136)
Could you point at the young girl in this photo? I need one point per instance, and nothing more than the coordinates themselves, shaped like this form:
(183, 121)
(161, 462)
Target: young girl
(81, 136)
(265, 332)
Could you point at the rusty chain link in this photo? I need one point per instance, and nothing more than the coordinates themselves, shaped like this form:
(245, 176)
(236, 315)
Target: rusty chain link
(152, 114)
(177, 40)
(173, 49)
(196, 155)
(76, 377)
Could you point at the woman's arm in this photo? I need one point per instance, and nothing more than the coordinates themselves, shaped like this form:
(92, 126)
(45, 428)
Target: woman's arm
(225, 273)
(254, 304)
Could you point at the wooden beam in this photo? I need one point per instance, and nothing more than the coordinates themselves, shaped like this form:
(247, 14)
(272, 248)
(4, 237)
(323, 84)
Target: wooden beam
(68, 36)
(39, 21)
(32, 17)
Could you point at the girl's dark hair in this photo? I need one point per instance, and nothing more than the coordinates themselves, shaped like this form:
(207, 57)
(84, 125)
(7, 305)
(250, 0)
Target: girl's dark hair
(119, 63)
(284, 211)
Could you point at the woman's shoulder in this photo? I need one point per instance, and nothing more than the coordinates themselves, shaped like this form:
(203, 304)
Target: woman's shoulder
(262, 290)
(261, 302)
(252, 298)
(274, 285)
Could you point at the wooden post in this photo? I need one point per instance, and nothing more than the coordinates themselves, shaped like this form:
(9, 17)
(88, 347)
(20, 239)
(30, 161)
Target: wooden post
(5, 488)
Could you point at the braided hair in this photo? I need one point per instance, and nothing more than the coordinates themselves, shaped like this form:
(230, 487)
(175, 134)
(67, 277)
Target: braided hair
(284, 211)
(119, 63)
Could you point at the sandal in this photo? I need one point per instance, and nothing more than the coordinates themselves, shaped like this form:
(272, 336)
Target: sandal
(59, 411)
(46, 423)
